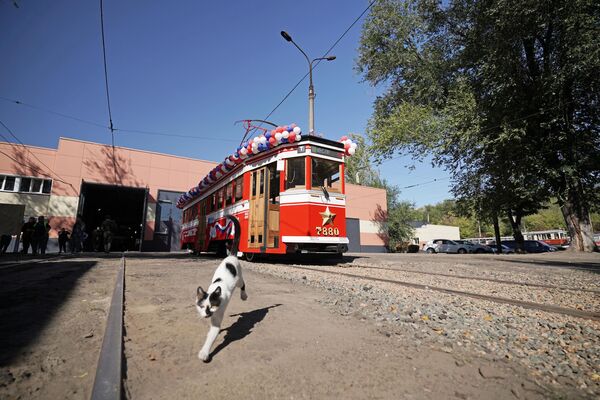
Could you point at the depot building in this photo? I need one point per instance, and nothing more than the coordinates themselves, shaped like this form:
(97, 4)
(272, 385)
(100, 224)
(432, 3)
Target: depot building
(137, 188)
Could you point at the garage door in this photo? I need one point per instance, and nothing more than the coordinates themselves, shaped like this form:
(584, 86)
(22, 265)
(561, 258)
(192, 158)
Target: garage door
(353, 233)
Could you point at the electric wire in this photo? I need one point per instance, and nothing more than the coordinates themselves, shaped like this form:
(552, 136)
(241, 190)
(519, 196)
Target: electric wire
(319, 61)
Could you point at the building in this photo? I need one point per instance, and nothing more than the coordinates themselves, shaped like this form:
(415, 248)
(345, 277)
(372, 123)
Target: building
(137, 188)
(425, 232)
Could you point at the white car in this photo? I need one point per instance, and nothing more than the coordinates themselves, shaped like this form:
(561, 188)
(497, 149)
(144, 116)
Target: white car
(444, 246)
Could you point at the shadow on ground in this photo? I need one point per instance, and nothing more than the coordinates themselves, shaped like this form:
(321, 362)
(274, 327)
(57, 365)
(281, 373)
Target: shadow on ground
(30, 297)
(242, 327)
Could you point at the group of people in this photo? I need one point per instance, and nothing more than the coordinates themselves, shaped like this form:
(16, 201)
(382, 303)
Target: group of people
(35, 233)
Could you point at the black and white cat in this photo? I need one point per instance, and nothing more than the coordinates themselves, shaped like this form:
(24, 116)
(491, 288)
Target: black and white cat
(213, 302)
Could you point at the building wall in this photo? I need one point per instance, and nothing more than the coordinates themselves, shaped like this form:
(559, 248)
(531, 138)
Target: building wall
(369, 206)
(75, 161)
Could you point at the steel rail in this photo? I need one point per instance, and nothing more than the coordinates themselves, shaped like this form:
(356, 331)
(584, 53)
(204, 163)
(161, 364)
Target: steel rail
(108, 381)
(525, 304)
(516, 283)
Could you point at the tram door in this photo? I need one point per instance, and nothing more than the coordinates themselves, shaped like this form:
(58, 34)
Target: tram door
(201, 232)
(264, 208)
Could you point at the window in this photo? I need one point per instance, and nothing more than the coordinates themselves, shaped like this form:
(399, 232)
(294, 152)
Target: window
(36, 185)
(239, 188)
(229, 194)
(273, 184)
(47, 186)
(326, 173)
(25, 184)
(295, 173)
(9, 183)
(220, 194)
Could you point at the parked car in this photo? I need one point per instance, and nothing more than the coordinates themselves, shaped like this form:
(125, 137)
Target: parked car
(444, 246)
(475, 247)
(505, 249)
(531, 246)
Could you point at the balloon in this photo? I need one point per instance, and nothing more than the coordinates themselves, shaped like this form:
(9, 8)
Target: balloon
(344, 138)
(255, 150)
(292, 137)
(268, 135)
(351, 150)
(285, 134)
(353, 145)
(279, 129)
(346, 146)
(289, 128)
(284, 140)
(272, 141)
(293, 125)
(262, 139)
(278, 136)
(297, 130)
(243, 151)
(298, 138)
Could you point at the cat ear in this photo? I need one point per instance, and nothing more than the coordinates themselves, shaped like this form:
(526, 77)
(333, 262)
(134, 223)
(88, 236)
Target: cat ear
(200, 292)
(217, 291)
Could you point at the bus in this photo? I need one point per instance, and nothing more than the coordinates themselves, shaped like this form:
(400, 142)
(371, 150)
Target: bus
(287, 191)
(552, 237)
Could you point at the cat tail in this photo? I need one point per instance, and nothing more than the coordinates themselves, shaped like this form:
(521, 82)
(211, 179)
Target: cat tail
(236, 237)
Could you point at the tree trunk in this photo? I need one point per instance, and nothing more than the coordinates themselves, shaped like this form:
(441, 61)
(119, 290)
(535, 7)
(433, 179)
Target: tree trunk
(515, 223)
(497, 234)
(579, 225)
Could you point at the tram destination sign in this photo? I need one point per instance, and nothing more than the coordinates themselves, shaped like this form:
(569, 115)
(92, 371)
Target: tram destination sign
(325, 152)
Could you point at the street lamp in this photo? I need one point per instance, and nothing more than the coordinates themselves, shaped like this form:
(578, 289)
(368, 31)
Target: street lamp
(311, 89)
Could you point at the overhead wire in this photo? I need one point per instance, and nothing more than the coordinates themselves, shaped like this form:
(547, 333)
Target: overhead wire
(58, 177)
(319, 61)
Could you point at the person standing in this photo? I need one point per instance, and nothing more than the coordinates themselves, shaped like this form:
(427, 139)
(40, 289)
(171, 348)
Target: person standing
(27, 235)
(63, 238)
(4, 242)
(109, 228)
(77, 235)
(41, 233)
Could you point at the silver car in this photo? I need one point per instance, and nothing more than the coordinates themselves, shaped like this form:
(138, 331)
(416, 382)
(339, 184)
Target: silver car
(444, 246)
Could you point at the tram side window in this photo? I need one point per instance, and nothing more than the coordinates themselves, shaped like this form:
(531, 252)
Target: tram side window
(295, 174)
(220, 194)
(239, 188)
(326, 173)
(273, 184)
(229, 194)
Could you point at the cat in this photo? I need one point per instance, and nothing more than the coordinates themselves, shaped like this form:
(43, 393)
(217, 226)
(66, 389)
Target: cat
(213, 302)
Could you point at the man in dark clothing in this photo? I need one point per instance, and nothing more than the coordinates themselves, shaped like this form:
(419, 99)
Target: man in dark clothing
(40, 234)
(4, 242)
(109, 228)
(63, 238)
(27, 234)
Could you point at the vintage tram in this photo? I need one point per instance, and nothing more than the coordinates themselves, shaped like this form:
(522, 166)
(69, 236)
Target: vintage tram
(286, 189)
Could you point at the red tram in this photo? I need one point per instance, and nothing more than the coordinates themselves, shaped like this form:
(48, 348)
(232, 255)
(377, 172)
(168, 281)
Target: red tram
(287, 191)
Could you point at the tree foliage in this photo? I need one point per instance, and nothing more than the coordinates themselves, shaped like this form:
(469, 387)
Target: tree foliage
(502, 93)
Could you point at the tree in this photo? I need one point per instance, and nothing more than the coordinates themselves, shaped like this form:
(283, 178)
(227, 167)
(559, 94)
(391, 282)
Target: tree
(503, 93)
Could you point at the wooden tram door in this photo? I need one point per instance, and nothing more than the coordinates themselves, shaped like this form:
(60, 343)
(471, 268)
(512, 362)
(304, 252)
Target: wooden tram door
(263, 222)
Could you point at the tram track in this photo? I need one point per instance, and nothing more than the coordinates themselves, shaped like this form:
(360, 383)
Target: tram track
(496, 299)
(475, 278)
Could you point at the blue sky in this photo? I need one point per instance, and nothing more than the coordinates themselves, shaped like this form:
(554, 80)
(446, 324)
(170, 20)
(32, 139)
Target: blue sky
(188, 67)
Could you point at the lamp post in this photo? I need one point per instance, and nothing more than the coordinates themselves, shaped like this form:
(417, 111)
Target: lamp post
(311, 89)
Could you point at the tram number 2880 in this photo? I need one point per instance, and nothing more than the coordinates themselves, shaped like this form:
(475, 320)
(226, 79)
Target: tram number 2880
(327, 231)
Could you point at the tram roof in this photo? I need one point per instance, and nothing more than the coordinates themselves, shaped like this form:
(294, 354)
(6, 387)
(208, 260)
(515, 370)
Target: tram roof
(244, 154)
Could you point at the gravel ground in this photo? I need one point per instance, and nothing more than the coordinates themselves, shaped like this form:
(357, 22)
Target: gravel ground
(557, 349)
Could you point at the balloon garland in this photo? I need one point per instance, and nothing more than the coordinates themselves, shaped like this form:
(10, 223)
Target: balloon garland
(349, 145)
(280, 135)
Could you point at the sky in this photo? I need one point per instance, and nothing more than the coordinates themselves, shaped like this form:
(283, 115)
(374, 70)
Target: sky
(189, 68)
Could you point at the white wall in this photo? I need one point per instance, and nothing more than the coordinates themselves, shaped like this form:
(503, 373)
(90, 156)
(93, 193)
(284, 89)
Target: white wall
(428, 232)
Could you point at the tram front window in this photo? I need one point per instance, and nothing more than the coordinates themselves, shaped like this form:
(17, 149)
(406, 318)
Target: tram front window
(295, 172)
(326, 173)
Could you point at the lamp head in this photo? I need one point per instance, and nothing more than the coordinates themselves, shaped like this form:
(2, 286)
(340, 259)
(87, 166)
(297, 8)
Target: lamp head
(330, 58)
(286, 36)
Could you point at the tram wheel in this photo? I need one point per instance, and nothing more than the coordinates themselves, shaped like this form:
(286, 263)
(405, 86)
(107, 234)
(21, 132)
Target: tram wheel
(250, 257)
